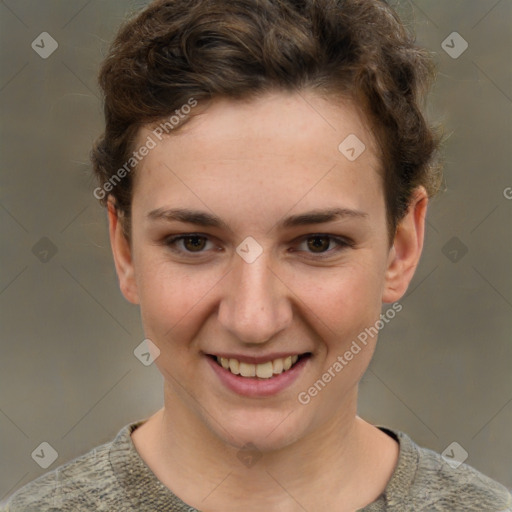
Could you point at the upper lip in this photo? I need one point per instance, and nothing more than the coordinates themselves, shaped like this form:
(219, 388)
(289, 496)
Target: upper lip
(257, 359)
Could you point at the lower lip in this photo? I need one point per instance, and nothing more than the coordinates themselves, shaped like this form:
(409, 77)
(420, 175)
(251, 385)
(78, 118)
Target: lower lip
(255, 387)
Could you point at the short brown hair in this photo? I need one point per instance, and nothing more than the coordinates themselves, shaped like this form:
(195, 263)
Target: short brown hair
(174, 50)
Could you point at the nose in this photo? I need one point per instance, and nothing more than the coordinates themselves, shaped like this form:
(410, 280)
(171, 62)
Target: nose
(255, 306)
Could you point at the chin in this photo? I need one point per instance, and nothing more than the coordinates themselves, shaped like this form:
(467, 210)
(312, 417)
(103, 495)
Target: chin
(267, 431)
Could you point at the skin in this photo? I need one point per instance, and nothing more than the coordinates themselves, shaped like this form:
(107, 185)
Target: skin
(252, 164)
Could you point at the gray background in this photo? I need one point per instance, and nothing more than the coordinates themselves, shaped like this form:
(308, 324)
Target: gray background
(442, 370)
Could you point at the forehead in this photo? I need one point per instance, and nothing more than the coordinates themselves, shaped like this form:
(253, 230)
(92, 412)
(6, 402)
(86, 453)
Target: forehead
(280, 142)
(278, 118)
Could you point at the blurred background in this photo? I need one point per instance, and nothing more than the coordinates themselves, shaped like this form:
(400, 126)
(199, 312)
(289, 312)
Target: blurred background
(68, 373)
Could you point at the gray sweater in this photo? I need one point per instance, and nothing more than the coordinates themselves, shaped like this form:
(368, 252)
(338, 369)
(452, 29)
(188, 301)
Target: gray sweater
(114, 478)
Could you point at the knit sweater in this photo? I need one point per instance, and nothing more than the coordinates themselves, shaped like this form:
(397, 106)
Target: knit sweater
(114, 478)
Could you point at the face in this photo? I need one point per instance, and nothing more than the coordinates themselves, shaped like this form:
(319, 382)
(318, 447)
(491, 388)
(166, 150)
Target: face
(279, 251)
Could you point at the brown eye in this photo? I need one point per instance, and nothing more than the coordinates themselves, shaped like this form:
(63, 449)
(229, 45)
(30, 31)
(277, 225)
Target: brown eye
(187, 244)
(194, 243)
(319, 243)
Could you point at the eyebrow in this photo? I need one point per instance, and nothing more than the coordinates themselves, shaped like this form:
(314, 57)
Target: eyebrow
(205, 219)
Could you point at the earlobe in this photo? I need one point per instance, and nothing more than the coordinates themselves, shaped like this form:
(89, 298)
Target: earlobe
(405, 254)
(122, 254)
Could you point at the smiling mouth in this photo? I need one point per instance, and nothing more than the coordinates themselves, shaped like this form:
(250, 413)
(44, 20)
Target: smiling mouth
(264, 370)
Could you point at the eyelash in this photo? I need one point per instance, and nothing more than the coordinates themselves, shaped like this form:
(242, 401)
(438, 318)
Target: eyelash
(342, 243)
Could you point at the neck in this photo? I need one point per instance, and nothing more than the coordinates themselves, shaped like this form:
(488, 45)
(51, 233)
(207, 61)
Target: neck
(336, 461)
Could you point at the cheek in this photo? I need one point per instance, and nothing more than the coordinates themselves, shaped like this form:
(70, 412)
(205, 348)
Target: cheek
(172, 310)
(171, 297)
(345, 300)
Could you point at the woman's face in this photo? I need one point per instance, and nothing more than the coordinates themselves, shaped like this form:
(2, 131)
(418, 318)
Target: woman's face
(261, 279)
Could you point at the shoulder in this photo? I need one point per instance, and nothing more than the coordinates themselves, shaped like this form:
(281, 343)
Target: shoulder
(434, 483)
(459, 487)
(81, 484)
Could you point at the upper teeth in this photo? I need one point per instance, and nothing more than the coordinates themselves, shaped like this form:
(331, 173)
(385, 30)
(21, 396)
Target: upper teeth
(262, 370)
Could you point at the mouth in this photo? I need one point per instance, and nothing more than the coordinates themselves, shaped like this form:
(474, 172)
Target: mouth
(262, 370)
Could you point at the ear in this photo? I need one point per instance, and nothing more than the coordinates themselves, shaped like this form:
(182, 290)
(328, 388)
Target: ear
(405, 254)
(122, 253)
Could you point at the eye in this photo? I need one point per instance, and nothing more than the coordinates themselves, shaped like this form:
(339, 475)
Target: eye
(318, 244)
(191, 243)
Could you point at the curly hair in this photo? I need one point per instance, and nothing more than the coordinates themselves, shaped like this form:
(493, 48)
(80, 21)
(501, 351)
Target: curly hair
(175, 50)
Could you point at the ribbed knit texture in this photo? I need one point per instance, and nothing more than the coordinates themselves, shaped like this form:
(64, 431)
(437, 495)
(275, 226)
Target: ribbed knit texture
(114, 478)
